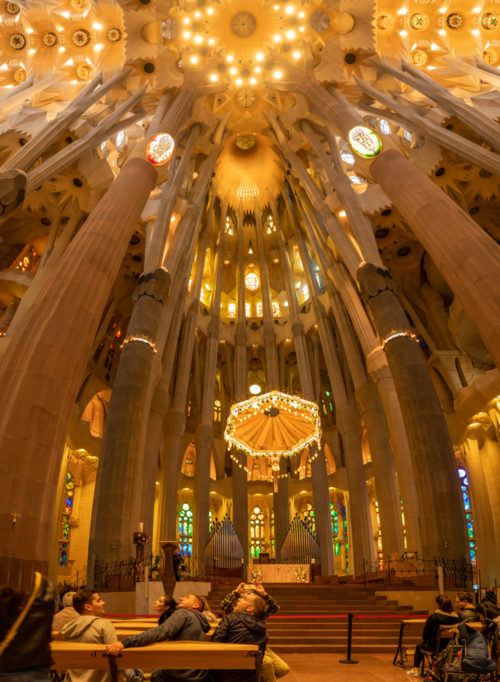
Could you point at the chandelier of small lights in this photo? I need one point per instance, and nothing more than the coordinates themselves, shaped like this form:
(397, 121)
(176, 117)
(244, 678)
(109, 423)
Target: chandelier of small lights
(273, 425)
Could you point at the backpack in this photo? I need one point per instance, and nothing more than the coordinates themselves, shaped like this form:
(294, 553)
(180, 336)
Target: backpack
(477, 658)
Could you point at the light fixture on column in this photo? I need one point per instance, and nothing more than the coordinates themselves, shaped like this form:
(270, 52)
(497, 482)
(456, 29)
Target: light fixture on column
(255, 389)
(160, 149)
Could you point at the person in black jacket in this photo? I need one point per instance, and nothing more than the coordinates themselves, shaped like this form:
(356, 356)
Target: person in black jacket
(245, 625)
(443, 615)
(25, 650)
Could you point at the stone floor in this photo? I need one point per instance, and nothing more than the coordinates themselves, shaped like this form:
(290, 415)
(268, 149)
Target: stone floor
(326, 668)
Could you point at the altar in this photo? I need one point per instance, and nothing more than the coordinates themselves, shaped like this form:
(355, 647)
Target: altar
(280, 573)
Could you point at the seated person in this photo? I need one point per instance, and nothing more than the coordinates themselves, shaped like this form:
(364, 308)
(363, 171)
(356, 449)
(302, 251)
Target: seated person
(207, 611)
(186, 623)
(164, 606)
(476, 658)
(244, 625)
(490, 604)
(465, 608)
(90, 627)
(443, 615)
(66, 614)
(279, 667)
(227, 604)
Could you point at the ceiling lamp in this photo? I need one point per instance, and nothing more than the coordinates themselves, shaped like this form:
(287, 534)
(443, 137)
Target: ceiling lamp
(255, 389)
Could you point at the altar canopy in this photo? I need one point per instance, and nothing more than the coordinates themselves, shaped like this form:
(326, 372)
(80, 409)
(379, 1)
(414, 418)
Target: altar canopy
(273, 425)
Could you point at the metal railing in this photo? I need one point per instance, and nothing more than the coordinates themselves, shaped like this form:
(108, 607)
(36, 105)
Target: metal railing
(456, 573)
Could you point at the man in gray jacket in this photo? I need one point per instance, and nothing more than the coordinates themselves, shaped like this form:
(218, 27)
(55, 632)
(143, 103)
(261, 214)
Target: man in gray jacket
(92, 628)
(186, 623)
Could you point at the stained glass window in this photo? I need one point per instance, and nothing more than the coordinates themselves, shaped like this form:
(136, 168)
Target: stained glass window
(231, 310)
(276, 308)
(185, 529)
(68, 498)
(260, 310)
(380, 553)
(248, 311)
(309, 519)
(257, 532)
(469, 519)
(252, 281)
(334, 519)
(217, 411)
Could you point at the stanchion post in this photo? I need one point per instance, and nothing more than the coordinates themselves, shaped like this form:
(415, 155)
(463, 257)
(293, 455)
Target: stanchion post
(349, 660)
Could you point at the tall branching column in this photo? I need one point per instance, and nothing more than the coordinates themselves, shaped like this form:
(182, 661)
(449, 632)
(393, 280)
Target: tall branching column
(370, 408)
(239, 474)
(342, 291)
(175, 419)
(318, 466)
(481, 504)
(205, 429)
(280, 496)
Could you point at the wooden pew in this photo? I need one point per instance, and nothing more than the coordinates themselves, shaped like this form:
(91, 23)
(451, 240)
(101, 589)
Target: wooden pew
(160, 656)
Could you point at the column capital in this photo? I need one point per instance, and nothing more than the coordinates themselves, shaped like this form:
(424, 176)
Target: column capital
(154, 284)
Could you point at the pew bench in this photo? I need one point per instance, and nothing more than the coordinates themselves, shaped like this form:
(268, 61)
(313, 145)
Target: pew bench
(162, 655)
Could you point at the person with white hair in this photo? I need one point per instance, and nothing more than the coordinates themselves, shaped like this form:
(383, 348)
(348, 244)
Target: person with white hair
(66, 614)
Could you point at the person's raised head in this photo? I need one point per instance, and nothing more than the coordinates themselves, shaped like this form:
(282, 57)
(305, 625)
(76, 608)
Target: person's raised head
(88, 603)
(164, 603)
(444, 603)
(190, 601)
(463, 598)
(67, 599)
(252, 603)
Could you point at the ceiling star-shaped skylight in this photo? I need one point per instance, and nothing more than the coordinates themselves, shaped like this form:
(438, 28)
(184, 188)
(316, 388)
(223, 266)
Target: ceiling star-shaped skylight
(236, 37)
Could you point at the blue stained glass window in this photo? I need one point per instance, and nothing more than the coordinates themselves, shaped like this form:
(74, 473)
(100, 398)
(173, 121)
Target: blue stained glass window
(464, 485)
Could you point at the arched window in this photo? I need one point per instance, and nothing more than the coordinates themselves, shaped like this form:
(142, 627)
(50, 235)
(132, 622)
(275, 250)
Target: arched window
(68, 499)
(380, 553)
(471, 535)
(276, 308)
(260, 310)
(309, 518)
(248, 312)
(334, 518)
(185, 529)
(231, 310)
(257, 533)
(217, 411)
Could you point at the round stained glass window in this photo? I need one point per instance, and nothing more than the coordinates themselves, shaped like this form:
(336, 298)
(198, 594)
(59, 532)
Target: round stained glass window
(160, 149)
(252, 281)
(364, 141)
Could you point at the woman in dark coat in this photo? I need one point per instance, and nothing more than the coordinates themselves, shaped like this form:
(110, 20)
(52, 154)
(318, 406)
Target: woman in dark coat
(443, 615)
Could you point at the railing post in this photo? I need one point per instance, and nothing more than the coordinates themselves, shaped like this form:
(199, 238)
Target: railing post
(348, 660)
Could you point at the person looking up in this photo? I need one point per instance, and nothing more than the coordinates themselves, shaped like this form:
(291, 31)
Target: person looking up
(91, 627)
(465, 608)
(187, 622)
(164, 607)
(244, 625)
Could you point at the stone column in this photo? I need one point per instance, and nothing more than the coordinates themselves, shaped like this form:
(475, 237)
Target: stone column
(481, 506)
(370, 408)
(280, 496)
(116, 505)
(442, 520)
(204, 431)
(461, 250)
(318, 466)
(175, 419)
(41, 372)
(239, 474)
